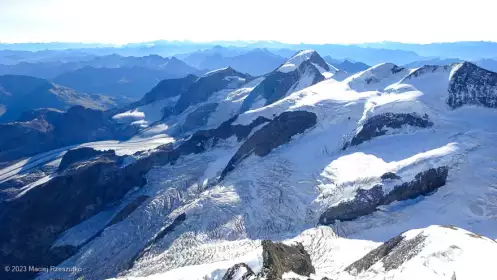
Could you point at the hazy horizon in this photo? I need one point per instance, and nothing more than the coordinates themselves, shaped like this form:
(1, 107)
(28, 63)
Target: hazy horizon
(241, 42)
(313, 22)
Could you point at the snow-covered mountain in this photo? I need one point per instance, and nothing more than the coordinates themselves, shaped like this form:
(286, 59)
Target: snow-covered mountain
(297, 174)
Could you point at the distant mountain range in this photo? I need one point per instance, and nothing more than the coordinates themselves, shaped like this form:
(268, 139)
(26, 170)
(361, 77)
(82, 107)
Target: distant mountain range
(254, 62)
(347, 65)
(112, 75)
(19, 94)
(371, 53)
(489, 64)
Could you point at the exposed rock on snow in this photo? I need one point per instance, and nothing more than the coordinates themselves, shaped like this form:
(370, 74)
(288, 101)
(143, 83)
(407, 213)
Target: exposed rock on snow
(276, 133)
(84, 154)
(366, 200)
(168, 229)
(294, 77)
(199, 118)
(279, 258)
(472, 85)
(378, 125)
(377, 77)
(205, 86)
(128, 209)
(240, 271)
(166, 89)
(392, 254)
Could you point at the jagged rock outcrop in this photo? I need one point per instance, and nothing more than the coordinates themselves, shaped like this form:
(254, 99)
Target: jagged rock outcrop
(276, 133)
(278, 84)
(278, 258)
(390, 176)
(377, 125)
(366, 201)
(240, 271)
(84, 154)
(472, 85)
(392, 254)
(425, 70)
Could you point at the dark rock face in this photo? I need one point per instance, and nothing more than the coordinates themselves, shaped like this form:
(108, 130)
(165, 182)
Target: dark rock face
(236, 269)
(375, 126)
(83, 154)
(177, 221)
(366, 201)
(32, 222)
(279, 258)
(472, 85)
(52, 131)
(203, 139)
(390, 176)
(168, 88)
(206, 86)
(276, 133)
(396, 69)
(128, 209)
(199, 117)
(318, 60)
(277, 84)
(424, 183)
(392, 254)
(426, 69)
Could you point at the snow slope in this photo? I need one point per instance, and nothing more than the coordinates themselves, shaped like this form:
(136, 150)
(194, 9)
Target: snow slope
(445, 252)
(282, 195)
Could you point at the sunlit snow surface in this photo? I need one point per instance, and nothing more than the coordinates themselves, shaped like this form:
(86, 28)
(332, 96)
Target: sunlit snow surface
(295, 61)
(282, 195)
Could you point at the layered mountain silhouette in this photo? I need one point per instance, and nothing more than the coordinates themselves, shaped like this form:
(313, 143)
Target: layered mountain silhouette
(24, 93)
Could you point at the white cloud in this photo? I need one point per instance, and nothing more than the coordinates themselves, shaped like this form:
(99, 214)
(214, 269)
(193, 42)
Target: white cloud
(313, 21)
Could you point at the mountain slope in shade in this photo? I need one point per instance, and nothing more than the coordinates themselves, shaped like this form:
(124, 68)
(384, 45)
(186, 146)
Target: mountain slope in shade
(43, 130)
(346, 65)
(128, 82)
(369, 158)
(51, 69)
(489, 64)
(23, 93)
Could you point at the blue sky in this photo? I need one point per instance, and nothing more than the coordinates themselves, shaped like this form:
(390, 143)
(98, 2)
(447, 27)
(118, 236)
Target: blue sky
(310, 21)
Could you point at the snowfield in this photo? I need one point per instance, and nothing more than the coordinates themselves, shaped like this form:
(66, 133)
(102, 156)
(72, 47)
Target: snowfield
(211, 224)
